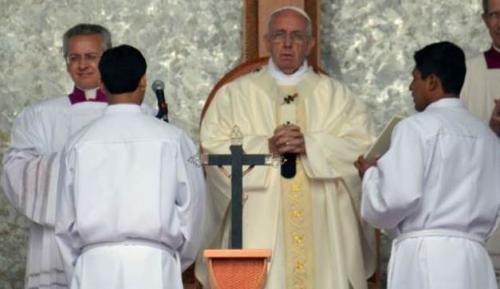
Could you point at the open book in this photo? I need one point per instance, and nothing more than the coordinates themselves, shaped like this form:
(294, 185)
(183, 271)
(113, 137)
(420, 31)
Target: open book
(383, 141)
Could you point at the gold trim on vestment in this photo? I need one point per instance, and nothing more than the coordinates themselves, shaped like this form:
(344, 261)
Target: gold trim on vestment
(297, 229)
(297, 207)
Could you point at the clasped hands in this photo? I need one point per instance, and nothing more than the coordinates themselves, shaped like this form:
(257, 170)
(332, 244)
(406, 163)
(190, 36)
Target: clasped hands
(287, 138)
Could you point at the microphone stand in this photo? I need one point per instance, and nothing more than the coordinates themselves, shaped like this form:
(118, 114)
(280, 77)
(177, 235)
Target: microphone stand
(158, 87)
(162, 109)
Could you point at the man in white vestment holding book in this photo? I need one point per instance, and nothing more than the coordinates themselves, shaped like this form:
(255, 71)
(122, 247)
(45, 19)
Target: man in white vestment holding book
(437, 187)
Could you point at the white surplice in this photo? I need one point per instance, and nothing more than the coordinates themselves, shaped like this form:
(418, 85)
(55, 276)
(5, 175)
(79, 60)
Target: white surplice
(336, 131)
(481, 88)
(130, 203)
(30, 174)
(438, 187)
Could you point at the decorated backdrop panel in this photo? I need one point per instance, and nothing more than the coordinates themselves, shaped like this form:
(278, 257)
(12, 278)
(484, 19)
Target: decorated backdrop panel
(191, 44)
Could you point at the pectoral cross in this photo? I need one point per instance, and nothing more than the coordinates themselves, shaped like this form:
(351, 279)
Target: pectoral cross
(237, 159)
(290, 98)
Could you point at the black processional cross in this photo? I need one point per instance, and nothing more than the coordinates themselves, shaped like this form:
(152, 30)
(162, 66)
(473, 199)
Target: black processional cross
(237, 159)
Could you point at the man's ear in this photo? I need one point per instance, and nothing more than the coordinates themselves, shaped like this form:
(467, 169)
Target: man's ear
(433, 82)
(143, 83)
(312, 43)
(484, 16)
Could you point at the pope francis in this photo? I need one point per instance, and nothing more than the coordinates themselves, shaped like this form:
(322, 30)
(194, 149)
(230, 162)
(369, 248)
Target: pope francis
(309, 218)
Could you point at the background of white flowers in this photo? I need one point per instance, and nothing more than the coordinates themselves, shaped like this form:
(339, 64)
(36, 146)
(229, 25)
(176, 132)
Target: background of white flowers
(190, 44)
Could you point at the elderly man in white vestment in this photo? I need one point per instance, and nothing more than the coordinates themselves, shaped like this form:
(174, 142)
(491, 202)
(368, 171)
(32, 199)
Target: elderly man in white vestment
(141, 233)
(481, 94)
(310, 220)
(31, 165)
(437, 186)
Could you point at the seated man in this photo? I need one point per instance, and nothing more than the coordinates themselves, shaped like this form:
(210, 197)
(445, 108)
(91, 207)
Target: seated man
(438, 186)
(129, 200)
(307, 212)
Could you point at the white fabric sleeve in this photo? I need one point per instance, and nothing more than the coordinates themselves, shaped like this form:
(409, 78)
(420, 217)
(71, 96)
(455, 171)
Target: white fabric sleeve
(215, 135)
(67, 236)
(333, 146)
(392, 189)
(29, 175)
(190, 201)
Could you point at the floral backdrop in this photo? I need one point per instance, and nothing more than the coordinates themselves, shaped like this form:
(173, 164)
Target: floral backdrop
(190, 44)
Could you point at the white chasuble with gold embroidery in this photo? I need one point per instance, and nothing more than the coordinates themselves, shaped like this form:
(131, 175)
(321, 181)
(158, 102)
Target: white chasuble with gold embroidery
(311, 222)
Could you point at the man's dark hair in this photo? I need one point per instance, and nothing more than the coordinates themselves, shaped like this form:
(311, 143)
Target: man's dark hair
(485, 6)
(445, 60)
(122, 68)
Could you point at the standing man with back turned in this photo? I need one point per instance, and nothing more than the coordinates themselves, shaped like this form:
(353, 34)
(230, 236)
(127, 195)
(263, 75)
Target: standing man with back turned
(309, 218)
(437, 186)
(135, 225)
(31, 165)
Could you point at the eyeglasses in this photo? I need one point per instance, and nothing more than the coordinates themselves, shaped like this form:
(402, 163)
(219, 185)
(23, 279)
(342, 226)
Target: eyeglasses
(297, 37)
(73, 59)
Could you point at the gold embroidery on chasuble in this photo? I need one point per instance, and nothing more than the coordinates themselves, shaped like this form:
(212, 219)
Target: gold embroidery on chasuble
(296, 204)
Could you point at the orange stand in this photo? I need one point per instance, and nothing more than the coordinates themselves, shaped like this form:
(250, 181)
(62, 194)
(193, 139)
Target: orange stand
(237, 269)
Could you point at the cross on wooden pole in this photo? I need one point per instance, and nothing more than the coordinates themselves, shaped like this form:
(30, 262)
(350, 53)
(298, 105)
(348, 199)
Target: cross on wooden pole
(237, 159)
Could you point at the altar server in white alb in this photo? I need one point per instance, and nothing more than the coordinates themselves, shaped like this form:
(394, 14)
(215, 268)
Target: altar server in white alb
(31, 164)
(438, 185)
(130, 201)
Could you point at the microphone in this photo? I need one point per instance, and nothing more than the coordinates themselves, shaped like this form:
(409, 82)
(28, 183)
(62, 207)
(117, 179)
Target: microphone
(289, 165)
(158, 87)
(289, 160)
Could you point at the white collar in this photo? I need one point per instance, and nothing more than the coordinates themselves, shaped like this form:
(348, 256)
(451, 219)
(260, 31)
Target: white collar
(89, 93)
(287, 79)
(447, 102)
(122, 107)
